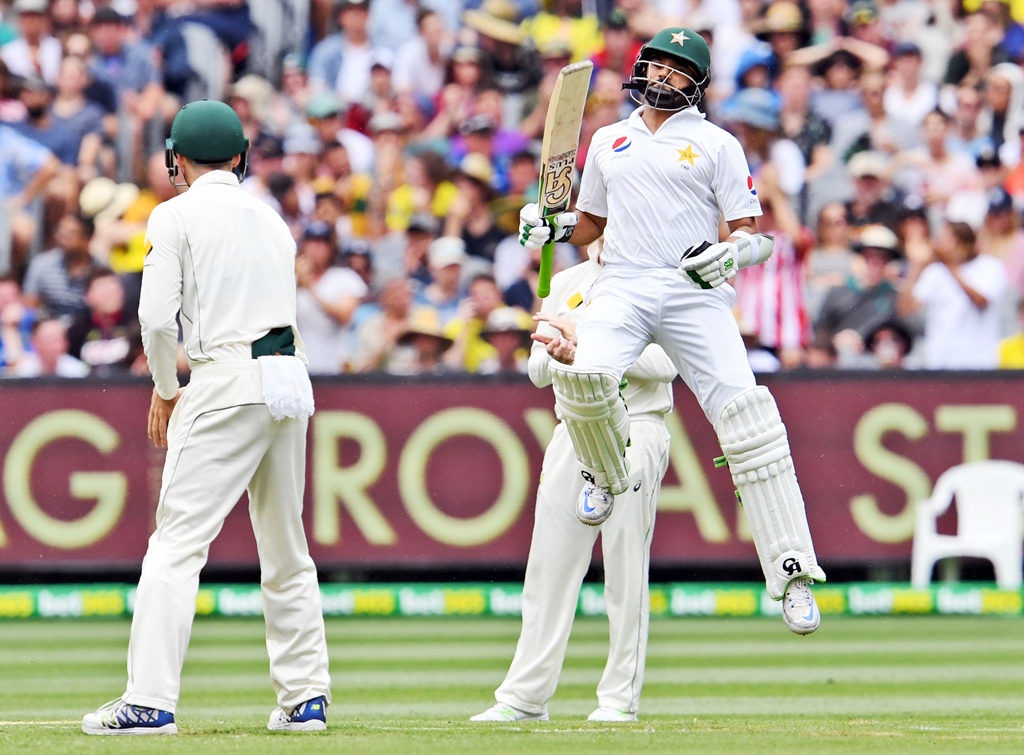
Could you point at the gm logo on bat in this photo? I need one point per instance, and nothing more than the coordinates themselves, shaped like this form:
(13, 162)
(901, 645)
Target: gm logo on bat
(558, 183)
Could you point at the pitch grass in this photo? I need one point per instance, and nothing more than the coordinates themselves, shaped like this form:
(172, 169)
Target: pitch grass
(899, 685)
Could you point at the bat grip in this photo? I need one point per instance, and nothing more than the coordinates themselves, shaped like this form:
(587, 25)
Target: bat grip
(547, 255)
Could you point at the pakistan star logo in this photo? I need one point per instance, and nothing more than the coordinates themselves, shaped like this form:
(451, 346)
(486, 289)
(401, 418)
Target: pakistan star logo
(679, 38)
(687, 154)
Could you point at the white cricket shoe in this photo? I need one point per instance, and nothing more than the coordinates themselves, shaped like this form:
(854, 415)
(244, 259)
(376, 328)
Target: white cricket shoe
(308, 716)
(120, 718)
(502, 713)
(594, 505)
(799, 611)
(611, 715)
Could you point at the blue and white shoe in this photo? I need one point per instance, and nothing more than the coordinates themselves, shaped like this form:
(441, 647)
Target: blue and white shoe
(308, 716)
(594, 505)
(799, 610)
(120, 718)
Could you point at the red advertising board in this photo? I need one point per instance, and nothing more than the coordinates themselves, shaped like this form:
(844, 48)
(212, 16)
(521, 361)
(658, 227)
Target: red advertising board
(439, 473)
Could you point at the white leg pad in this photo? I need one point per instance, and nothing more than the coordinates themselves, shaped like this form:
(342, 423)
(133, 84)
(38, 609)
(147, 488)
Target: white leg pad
(754, 441)
(595, 416)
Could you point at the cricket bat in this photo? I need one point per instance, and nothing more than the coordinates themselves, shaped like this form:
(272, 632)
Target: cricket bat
(558, 152)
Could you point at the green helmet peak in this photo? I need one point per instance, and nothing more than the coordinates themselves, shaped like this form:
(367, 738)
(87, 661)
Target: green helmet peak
(207, 131)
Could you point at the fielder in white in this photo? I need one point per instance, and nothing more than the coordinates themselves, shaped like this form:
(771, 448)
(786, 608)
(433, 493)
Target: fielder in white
(226, 262)
(561, 547)
(656, 186)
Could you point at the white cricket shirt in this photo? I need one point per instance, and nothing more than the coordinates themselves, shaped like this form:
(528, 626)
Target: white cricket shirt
(664, 192)
(227, 261)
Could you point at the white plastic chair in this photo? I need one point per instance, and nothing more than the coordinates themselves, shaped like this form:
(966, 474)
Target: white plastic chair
(990, 510)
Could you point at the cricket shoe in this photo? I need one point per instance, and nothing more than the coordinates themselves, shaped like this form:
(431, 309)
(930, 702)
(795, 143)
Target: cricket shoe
(594, 505)
(308, 716)
(799, 611)
(611, 715)
(500, 712)
(120, 718)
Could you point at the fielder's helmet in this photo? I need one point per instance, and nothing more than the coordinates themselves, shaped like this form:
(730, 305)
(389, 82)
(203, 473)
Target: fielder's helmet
(684, 45)
(208, 132)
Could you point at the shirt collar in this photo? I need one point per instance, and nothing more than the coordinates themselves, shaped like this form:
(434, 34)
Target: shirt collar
(636, 120)
(216, 177)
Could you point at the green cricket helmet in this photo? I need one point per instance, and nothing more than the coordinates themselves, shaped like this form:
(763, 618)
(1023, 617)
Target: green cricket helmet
(693, 57)
(207, 132)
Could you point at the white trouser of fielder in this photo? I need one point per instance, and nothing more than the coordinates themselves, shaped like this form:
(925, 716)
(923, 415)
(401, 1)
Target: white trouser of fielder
(221, 442)
(560, 555)
(629, 308)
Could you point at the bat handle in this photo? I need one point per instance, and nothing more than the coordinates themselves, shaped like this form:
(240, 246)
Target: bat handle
(547, 256)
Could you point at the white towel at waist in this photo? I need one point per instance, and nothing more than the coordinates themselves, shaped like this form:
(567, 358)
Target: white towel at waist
(286, 387)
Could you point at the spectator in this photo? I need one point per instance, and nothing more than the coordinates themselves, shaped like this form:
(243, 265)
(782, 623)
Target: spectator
(979, 51)
(106, 336)
(909, 98)
(404, 253)
(959, 292)
(465, 75)
(507, 330)
(71, 108)
(852, 311)
(443, 294)
(1011, 349)
(26, 167)
(965, 133)
(341, 62)
(377, 334)
(887, 346)
(469, 349)
(56, 280)
(621, 46)
(35, 53)
(566, 22)
(420, 61)
(1002, 118)
(873, 200)
(784, 29)
(427, 188)
(15, 324)
(510, 53)
(49, 356)
(1002, 237)
(470, 216)
(831, 262)
(422, 346)
(127, 65)
(327, 297)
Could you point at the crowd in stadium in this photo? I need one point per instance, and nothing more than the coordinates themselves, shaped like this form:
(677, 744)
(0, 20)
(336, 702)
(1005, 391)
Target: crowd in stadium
(399, 140)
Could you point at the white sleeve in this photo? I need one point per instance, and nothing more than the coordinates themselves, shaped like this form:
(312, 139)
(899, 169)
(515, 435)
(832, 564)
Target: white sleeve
(732, 183)
(593, 196)
(160, 300)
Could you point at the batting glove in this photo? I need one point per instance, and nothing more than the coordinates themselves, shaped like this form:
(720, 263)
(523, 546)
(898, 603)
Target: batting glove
(535, 232)
(709, 265)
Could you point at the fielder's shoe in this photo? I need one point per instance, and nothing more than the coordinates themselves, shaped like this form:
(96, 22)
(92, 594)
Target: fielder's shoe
(501, 712)
(118, 717)
(308, 716)
(799, 611)
(605, 713)
(594, 505)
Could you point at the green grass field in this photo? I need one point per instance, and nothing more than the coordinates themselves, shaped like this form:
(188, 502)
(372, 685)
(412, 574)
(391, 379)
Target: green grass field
(900, 685)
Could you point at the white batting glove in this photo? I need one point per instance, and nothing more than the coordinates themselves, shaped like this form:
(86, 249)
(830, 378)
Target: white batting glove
(709, 265)
(535, 232)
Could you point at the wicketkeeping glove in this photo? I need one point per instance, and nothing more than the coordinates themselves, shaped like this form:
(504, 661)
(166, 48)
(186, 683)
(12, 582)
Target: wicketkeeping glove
(535, 232)
(709, 265)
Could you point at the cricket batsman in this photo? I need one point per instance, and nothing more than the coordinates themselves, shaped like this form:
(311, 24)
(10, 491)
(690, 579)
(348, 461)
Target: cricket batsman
(655, 186)
(561, 547)
(226, 262)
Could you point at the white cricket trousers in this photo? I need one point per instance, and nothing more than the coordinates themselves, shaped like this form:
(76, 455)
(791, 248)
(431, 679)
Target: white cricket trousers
(560, 554)
(221, 442)
(630, 308)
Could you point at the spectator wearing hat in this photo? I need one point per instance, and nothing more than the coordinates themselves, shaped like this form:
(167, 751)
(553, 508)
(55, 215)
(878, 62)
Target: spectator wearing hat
(326, 114)
(422, 345)
(266, 157)
(864, 23)
(35, 53)
(959, 292)
(1002, 116)
(555, 54)
(508, 331)
(873, 200)
(470, 216)
(887, 346)
(621, 45)
(469, 349)
(326, 298)
(512, 56)
(378, 330)
(105, 202)
(251, 97)
(483, 132)
(837, 65)
(852, 310)
(1001, 236)
(302, 151)
(784, 28)
(909, 97)
(420, 60)
(445, 259)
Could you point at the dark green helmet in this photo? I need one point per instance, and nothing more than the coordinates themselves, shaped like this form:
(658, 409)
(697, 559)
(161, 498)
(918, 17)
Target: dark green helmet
(207, 131)
(690, 49)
